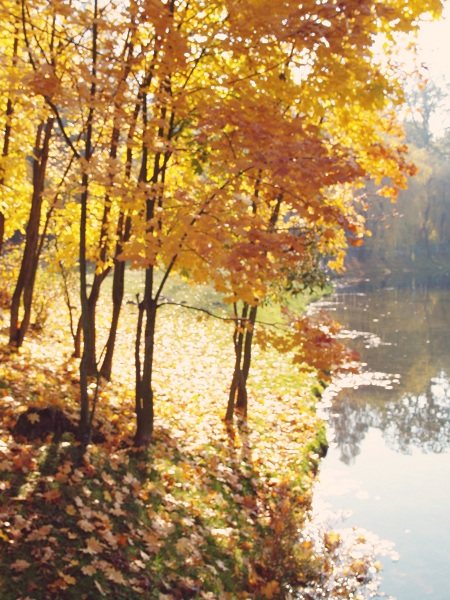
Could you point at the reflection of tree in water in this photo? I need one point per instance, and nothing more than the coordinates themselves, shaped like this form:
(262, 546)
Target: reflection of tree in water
(403, 331)
(350, 427)
(422, 421)
(406, 422)
(350, 420)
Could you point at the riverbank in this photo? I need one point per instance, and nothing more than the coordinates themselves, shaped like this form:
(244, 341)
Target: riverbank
(207, 511)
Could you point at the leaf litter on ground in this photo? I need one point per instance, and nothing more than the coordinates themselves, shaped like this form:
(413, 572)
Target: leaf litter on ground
(207, 511)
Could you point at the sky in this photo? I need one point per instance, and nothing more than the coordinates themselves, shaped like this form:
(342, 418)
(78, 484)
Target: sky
(434, 51)
(434, 44)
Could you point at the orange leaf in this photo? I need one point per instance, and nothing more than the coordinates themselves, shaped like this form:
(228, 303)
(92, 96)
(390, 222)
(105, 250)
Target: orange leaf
(52, 495)
(270, 589)
(39, 534)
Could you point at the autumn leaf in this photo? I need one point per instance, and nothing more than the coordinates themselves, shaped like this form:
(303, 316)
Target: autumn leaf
(183, 546)
(3, 536)
(270, 589)
(39, 534)
(85, 525)
(332, 540)
(88, 570)
(93, 546)
(68, 579)
(33, 417)
(52, 495)
(114, 575)
(20, 565)
(5, 465)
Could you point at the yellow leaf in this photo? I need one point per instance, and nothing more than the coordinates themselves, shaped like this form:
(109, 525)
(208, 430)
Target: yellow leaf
(93, 546)
(71, 510)
(332, 540)
(4, 537)
(116, 576)
(67, 578)
(88, 570)
(33, 417)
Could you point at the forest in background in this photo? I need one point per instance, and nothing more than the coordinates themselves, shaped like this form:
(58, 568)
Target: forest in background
(413, 233)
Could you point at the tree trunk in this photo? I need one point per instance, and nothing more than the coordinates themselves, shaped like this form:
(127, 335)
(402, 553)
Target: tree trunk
(242, 396)
(237, 383)
(23, 292)
(117, 298)
(2, 230)
(88, 357)
(144, 371)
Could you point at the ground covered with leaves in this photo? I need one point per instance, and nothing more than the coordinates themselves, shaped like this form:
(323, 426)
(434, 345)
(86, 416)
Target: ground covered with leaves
(207, 511)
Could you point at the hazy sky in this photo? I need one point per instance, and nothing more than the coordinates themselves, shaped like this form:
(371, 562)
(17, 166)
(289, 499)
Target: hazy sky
(434, 51)
(434, 40)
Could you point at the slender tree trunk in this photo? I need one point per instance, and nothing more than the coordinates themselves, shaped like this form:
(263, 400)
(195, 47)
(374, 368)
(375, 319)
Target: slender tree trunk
(23, 292)
(75, 332)
(144, 371)
(2, 229)
(88, 358)
(238, 399)
(242, 396)
(123, 232)
(237, 381)
(117, 298)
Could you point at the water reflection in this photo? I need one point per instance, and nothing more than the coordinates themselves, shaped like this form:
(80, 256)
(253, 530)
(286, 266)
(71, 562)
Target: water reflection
(388, 462)
(407, 397)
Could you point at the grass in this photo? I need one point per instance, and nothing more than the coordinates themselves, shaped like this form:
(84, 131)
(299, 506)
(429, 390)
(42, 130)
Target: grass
(207, 511)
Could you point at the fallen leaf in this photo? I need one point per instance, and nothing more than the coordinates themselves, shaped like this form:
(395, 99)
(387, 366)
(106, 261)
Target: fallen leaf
(93, 546)
(183, 546)
(52, 495)
(88, 570)
(116, 576)
(85, 525)
(20, 565)
(270, 589)
(39, 534)
(33, 417)
(67, 578)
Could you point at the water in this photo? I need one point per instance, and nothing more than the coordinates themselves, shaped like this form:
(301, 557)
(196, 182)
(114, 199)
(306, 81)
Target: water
(388, 467)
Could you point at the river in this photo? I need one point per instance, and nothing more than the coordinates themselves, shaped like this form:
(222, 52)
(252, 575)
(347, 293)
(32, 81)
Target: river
(387, 472)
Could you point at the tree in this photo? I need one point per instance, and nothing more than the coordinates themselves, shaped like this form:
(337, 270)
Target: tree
(217, 140)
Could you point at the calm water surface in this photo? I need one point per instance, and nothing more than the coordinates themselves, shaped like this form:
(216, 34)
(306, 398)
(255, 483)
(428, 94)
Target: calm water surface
(388, 467)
